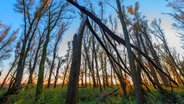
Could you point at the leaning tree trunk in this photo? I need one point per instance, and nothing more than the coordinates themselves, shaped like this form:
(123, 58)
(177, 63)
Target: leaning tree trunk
(90, 65)
(66, 69)
(96, 63)
(64, 77)
(72, 90)
(54, 57)
(51, 68)
(136, 81)
(57, 72)
(30, 80)
(153, 72)
(12, 66)
(157, 61)
(39, 95)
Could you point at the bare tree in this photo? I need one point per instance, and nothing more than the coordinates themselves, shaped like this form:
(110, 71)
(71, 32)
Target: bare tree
(177, 14)
(53, 17)
(68, 62)
(159, 33)
(6, 41)
(12, 65)
(31, 21)
(57, 41)
(36, 54)
(60, 63)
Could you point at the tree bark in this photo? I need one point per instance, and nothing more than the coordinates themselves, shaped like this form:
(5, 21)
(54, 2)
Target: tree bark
(39, 95)
(72, 90)
(57, 72)
(90, 65)
(136, 80)
(30, 79)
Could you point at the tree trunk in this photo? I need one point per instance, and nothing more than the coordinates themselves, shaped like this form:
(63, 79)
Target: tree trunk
(35, 61)
(51, 69)
(85, 67)
(12, 66)
(153, 73)
(136, 81)
(64, 77)
(90, 65)
(96, 63)
(105, 71)
(39, 95)
(57, 72)
(72, 90)
(102, 68)
(157, 61)
(53, 60)
(112, 83)
(82, 81)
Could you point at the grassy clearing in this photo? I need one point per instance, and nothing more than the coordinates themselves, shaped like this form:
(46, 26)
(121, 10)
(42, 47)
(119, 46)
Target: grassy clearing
(91, 96)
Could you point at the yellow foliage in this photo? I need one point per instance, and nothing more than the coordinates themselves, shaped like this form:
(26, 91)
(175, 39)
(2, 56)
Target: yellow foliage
(130, 10)
(48, 1)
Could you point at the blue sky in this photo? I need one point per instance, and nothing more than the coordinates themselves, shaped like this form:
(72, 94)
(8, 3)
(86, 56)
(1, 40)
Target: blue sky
(154, 9)
(8, 15)
(150, 8)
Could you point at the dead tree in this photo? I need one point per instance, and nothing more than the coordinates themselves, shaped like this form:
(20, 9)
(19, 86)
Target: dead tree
(57, 41)
(60, 63)
(68, 62)
(72, 89)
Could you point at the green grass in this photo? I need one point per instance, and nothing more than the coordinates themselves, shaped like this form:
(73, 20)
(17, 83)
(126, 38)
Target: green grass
(91, 96)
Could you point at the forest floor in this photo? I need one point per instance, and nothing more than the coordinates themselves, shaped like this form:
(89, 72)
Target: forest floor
(93, 96)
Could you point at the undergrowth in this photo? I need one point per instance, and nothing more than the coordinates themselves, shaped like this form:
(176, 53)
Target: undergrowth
(91, 96)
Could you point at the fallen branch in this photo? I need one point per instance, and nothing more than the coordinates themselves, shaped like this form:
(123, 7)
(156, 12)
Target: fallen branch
(103, 96)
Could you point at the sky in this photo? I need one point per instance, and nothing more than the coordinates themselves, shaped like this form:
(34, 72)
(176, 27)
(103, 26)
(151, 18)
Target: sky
(8, 15)
(152, 9)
